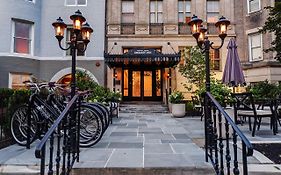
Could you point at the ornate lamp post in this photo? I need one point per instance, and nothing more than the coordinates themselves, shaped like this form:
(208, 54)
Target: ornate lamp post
(198, 32)
(79, 29)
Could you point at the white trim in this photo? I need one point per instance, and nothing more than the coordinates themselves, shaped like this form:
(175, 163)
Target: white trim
(250, 47)
(248, 7)
(49, 58)
(10, 80)
(67, 71)
(31, 51)
(65, 3)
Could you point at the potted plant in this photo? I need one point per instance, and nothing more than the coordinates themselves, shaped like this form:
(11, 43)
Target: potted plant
(178, 106)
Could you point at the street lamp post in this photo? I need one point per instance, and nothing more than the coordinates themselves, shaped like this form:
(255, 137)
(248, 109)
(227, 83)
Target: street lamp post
(79, 29)
(198, 32)
(83, 31)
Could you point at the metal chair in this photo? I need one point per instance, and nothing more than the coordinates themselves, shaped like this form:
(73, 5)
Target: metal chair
(245, 107)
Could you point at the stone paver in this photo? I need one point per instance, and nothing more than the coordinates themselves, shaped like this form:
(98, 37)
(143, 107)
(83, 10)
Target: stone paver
(143, 139)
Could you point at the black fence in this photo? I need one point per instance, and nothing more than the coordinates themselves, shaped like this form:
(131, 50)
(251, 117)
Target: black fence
(224, 141)
(63, 141)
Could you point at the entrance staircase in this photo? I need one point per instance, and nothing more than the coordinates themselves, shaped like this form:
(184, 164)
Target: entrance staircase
(143, 107)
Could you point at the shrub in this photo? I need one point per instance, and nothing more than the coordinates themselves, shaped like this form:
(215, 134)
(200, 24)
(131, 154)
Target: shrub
(264, 89)
(176, 97)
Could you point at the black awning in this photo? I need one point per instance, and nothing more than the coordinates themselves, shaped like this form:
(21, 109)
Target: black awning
(142, 57)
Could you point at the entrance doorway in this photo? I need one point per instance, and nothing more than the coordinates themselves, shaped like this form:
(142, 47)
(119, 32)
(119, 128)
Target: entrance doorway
(142, 84)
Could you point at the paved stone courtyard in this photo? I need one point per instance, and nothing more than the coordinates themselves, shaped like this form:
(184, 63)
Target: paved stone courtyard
(145, 137)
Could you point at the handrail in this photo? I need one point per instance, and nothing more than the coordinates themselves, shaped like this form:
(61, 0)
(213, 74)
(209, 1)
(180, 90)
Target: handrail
(218, 139)
(53, 127)
(233, 125)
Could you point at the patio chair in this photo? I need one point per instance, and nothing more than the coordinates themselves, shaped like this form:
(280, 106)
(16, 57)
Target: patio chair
(198, 105)
(246, 108)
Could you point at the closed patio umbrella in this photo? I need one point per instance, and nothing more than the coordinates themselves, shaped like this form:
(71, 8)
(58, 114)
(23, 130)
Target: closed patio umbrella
(233, 75)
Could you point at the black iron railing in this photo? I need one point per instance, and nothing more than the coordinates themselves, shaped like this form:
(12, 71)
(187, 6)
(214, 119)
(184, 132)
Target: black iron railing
(63, 138)
(220, 147)
(127, 28)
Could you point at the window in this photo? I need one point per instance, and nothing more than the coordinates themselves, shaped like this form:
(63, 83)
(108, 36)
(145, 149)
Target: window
(22, 37)
(76, 2)
(156, 11)
(254, 5)
(213, 11)
(255, 48)
(184, 13)
(17, 79)
(215, 59)
(69, 34)
(127, 12)
(185, 53)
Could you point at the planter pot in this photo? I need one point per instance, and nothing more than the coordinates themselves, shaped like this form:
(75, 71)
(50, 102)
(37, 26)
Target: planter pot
(178, 110)
(170, 107)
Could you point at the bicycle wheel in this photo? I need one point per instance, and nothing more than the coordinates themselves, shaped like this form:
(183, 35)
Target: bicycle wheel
(104, 111)
(19, 126)
(91, 127)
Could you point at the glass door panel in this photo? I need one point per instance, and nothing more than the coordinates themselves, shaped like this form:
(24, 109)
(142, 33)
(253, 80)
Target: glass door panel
(136, 83)
(126, 83)
(158, 83)
(147, 81)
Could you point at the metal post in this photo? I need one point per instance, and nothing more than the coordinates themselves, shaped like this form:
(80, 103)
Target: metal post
(207, 63)
(73, 66)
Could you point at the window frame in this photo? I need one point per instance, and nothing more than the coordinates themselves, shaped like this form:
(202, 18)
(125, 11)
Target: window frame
(248, 7)
(10, 85)
(156, 12)
(250, 47)
(184, 12)
(131, 13)
(76, 3)
(207, 12)
(213, 59)
(31, 34)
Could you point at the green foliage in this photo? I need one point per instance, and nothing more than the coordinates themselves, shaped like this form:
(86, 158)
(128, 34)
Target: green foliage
(99, 93)
(5, 95)
(273, 25)
(189, 106)
(11, 99)
(264, 89)
(220, 92)
(194, 68)
(176, 97)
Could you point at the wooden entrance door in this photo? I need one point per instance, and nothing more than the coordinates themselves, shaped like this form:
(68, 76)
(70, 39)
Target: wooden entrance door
(142, 85)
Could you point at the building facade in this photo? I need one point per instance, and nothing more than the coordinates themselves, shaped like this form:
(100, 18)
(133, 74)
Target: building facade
(161, 25)
(258, 65)
(29, 47)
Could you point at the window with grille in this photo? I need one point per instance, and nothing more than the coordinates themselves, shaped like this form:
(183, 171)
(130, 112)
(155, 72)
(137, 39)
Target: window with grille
(156, 11)
(215, 60)
(69, 35)
(254, 5)
(127, 12)
(22, 37)
(76, 2)
(213, 11)
(184, 13)
(255, 47)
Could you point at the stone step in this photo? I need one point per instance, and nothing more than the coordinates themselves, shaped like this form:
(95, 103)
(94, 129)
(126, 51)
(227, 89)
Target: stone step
(144, 108)
(144, 171)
